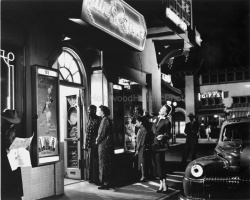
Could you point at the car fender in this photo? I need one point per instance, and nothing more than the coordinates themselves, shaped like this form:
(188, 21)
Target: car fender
(245, 157)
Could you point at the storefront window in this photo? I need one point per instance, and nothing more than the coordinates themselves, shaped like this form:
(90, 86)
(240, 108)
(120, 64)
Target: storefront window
(213, 78)
(230, 76)
(126, 97)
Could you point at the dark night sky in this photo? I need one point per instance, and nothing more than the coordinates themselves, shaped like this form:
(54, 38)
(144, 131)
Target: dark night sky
(224, 27)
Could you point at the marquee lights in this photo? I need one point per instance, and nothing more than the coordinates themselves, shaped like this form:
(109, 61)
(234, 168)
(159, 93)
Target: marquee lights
(118, 19)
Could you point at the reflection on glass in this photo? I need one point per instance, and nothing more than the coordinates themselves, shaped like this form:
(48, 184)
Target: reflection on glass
(130, 136)
(77, 78)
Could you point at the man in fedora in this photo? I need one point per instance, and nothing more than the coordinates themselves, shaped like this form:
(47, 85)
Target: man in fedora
(191, 132)
(11, 181)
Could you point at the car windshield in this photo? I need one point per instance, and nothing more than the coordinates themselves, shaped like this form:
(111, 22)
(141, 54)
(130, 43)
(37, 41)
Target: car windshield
(237, 132)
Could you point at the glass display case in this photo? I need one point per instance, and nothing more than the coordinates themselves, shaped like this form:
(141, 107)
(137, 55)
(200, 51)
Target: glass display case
(127, 96)
(45, 148)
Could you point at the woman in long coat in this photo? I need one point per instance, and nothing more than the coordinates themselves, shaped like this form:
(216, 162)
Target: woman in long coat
(161, 129)
(105, 142)
(141, 135)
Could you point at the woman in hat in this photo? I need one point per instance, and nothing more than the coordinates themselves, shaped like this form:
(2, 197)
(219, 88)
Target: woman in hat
(12, 187)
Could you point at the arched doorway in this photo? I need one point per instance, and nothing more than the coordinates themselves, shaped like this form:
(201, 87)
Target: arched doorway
(73, 82)
(180, 122)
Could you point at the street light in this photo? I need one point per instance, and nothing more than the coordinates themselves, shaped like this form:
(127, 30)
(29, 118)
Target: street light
(173, 104)
(173, 122)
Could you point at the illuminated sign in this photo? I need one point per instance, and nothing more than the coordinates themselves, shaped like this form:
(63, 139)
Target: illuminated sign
(117, 19)
(179, 12)
(213, 94)
(166, 78)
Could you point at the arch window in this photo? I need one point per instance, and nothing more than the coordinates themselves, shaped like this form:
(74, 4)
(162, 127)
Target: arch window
(69, 66)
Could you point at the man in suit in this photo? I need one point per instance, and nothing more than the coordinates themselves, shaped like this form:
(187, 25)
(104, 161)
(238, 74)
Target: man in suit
(191, 132)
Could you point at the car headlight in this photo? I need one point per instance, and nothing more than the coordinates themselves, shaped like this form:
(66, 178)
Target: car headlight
(196, 170)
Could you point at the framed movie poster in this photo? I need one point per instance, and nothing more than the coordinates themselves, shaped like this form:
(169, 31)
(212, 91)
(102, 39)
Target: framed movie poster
(45, 109)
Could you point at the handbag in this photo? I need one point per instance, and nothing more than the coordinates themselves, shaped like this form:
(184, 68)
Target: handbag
(160, 145)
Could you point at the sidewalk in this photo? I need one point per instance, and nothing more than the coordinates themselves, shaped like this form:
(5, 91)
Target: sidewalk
(75, 189)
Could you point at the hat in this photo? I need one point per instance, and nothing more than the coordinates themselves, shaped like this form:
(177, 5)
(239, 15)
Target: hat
(191, 115)
(10, 116)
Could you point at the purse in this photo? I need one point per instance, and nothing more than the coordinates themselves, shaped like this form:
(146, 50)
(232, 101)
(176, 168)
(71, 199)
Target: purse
(160, 145)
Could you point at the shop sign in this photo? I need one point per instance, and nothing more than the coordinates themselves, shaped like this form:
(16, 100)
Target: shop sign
(213, 94)
(118, 19)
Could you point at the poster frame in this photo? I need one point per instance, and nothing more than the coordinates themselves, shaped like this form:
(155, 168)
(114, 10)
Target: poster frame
(36, 71)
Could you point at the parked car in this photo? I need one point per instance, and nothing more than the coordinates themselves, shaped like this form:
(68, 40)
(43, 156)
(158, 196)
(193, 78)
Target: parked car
(226, 174)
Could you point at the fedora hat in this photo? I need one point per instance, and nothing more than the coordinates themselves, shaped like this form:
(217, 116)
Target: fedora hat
(10, 116)
(191, 115)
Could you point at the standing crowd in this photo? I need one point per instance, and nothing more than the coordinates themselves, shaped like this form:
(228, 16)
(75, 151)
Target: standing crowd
(152, 136)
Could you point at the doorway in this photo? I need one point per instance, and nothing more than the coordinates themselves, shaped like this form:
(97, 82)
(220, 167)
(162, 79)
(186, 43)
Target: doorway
(71, 119)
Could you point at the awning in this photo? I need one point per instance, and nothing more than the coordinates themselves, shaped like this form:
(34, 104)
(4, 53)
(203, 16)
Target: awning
(239, 112)
(211, 112)
(113, 73)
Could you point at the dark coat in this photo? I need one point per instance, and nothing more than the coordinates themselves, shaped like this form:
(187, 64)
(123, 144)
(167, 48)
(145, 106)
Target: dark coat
(105, 140)
(140, 145)
(161, 127)
(192, 131)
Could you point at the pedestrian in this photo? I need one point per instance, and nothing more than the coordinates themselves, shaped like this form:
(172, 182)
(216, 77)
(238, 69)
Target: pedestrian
(105, 142)
(162, 133)
(90, 145)
(11, 181)
(191, 132)
(148, 154)
(140, 149)
(208, 131)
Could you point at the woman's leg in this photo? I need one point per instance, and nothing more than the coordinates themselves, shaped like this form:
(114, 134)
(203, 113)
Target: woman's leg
(142, 173)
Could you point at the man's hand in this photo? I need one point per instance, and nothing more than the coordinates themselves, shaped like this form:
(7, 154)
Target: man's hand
(159, 137)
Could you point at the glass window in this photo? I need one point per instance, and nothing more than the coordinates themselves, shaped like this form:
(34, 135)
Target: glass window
(69, 67)
(239, 76)
(243, 99)
(213, 78)
(204, 102)
(222, 77)
(238, 131)
(211, 101)
(205, 79)
(217, 101)
(247, 75)
(236, 100)
(230, 76)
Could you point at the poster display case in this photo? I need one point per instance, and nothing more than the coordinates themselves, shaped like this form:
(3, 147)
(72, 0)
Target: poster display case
(45, 121)
(72, 140)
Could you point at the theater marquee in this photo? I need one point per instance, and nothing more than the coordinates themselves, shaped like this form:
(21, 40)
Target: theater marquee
(117, 19)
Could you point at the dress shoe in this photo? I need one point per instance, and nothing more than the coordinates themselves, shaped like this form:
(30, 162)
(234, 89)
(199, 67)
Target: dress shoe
(159, 191)
(166, 191)
(103, 187)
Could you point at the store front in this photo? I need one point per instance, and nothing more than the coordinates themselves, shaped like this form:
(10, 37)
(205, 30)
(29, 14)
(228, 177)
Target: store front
(211, 112)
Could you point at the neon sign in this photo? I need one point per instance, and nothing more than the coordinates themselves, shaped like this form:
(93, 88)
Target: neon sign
(117, 19)
(213, 94)
(7, 59)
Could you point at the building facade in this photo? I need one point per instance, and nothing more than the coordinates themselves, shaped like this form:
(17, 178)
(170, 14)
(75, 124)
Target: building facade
(53, 66)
